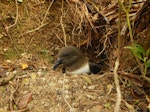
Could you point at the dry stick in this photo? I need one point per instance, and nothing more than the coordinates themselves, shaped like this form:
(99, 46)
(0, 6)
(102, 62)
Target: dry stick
(47, 12)
(59, 38)
(13, 43)
(63, 31)
(86, 13)
(7, 28)
(42, 23)
(6, 80)
(61, 22)
(16, 19)
(57, 35)
(118, 101)
(103, 45)
(129, 106)
(12, 95)
(30, 31)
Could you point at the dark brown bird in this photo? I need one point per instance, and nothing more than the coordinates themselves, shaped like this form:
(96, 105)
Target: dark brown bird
(74, 62)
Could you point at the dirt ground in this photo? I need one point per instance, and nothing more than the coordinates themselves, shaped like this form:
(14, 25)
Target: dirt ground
(31, 34)
(52, 91)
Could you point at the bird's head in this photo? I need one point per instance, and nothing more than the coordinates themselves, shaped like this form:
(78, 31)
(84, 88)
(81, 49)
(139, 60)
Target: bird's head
(67, 56)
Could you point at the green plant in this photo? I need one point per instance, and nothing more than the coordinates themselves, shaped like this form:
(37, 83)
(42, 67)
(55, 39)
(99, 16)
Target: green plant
(139, 52)
(107, 105)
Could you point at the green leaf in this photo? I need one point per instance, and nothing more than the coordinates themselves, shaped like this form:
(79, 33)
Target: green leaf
(148, 63)
(129, 47)
(145, 59)
(107, 105)
(148, 52)
(137, 51)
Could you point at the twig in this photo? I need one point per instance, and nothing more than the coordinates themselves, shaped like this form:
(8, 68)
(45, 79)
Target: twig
(16, 19)
(6, 80)
(59, 38)
(118, 101)
(63, 31)
(61, 22)
(33, 30)
(47, 12)
(130, 107)
(103, 45)
(42, 23)
(12, 95)
(11, 39)
(7, 28)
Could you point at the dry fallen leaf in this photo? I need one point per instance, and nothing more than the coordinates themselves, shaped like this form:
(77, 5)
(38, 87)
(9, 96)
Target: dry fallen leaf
(87, 79)
(33, 76)
(24, 66)
(25, 81)
(109, 88)
(24, 100)
(97, 108)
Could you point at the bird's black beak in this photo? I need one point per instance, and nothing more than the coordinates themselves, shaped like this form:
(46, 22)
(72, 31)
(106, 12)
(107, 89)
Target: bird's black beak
(57, 63)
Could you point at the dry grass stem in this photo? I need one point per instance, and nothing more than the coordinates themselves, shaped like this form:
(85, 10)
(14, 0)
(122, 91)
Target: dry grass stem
(116, 78)
(118, 100)
(62, 25)
(64, 33)
(104, 46)
(38, 28)
(42, 23)
(11, 98)
(47, 12)
(16, 19)
(59, 38)
(130, 107)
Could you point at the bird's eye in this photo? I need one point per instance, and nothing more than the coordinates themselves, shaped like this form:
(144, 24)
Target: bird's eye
(65, 55)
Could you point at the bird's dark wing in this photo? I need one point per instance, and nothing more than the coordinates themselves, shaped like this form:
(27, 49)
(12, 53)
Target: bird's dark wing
(94, 67)
(63, 70)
